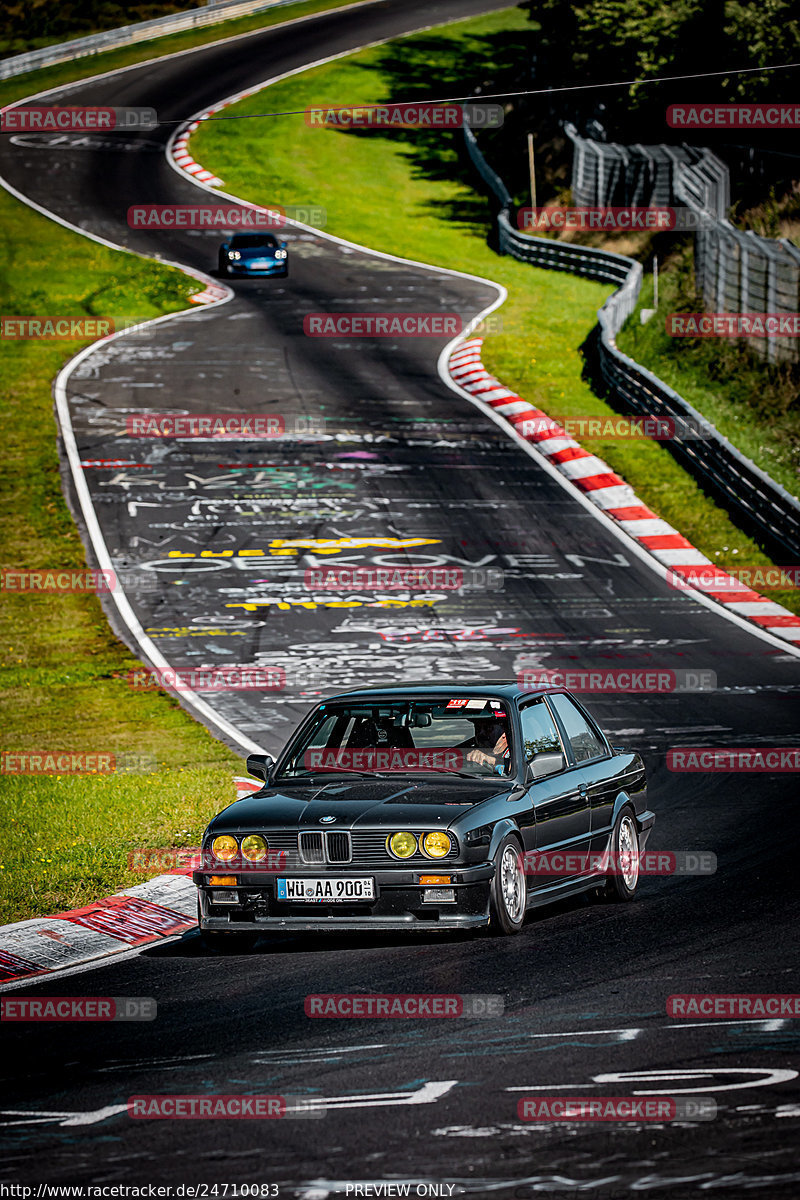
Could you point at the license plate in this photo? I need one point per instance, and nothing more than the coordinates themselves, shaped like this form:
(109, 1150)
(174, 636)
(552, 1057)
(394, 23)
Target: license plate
(331, 890)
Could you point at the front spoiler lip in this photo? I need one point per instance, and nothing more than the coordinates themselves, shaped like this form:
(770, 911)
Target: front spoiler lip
(406, 924)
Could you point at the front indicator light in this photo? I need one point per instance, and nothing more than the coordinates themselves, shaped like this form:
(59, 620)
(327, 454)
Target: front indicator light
(225, 848)
(221, 880)
(254, 847)
(434, 879)
(402, 845)
(436, 844)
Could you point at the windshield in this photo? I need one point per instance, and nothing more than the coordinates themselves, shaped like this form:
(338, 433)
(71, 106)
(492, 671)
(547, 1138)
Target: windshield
(450, 736)
(252, 241)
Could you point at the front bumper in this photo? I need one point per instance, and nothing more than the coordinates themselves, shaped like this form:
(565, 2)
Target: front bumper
(237, 269)
(398, 903)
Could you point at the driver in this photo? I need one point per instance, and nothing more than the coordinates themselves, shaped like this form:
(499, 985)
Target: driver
(490, 743)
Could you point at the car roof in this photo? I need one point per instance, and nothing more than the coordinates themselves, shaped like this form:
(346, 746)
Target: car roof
(505, 689)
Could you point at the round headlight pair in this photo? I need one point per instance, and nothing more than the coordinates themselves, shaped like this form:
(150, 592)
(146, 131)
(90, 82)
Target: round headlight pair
(226, 847)
(435, 845)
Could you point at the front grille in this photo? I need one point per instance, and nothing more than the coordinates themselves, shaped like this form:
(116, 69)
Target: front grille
(311, 848)
(337, 845)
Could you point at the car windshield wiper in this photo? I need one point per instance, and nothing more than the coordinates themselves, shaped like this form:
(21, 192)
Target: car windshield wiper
(340, 771)
(448, 771)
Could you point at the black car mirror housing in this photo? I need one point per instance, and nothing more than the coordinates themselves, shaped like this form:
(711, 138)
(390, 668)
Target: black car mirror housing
(260, 766)
(543, 765)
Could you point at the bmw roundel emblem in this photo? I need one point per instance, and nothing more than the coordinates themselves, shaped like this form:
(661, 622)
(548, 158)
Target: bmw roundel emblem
(327, 820)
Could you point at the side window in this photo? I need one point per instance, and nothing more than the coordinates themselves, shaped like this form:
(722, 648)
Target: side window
(539, 733)
(585, 742)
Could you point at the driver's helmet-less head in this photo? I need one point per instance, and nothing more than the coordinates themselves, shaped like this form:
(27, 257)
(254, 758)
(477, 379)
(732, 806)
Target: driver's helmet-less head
(488, 730)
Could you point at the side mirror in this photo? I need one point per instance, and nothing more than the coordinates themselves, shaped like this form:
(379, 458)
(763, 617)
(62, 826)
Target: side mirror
(283, 245)
(545, 764)
(260, 765)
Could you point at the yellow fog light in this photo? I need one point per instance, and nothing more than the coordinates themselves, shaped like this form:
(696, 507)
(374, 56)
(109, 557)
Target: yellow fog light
(254, 847)
(436, 844)
(225, 848)
(402, 845)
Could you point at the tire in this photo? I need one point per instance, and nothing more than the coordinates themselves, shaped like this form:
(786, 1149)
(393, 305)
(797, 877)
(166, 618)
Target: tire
(621, 887)
(222, 266)
(509, 891)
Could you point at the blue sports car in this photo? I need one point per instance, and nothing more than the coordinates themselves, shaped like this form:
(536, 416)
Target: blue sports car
(253, 254)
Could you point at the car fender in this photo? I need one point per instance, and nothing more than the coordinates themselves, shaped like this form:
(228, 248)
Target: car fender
(644, 818)
(504, 826)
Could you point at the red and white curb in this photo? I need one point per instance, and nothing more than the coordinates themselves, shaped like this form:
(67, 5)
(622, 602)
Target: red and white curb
(617, 499)
(157, 909)
(183, 158)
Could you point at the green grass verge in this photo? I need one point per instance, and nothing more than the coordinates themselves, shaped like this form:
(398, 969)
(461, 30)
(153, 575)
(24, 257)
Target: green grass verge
(410, 195)
(62, 686)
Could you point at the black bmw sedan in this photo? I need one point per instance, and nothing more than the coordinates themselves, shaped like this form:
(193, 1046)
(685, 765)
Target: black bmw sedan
(419, 807)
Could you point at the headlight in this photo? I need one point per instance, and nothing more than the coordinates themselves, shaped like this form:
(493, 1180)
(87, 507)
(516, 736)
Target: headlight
(436, 844)
(280, 254)
(225, 848)
(402, 845)
(234, 254)
(254, 847)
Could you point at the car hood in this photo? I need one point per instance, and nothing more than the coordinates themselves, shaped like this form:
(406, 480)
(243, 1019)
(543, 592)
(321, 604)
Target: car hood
(366, 802)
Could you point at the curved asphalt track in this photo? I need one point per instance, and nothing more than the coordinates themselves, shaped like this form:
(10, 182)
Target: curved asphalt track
(585, 986)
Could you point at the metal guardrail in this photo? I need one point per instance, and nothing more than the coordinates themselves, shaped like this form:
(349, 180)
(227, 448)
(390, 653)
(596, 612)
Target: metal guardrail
(763, 504)
(127, 35)
(735, 271)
